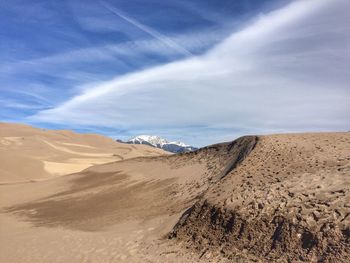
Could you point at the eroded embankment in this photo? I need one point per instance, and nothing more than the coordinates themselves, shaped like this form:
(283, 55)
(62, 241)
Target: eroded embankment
(209, 228)
(288, 201)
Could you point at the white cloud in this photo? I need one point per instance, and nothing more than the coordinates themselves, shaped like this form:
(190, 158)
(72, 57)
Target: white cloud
(57, 63)
(286, 71)
(162, 38)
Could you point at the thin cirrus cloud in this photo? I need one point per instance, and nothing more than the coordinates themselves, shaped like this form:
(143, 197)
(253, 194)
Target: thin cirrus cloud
(111, 52)
(286, 71)
(162, 38)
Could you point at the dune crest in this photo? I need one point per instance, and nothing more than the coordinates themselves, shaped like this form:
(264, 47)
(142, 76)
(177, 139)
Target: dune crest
(28, 153)
(288, 201)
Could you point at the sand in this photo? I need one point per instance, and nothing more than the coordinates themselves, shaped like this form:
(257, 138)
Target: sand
(267, 198)
(288, 201)
(28, 153)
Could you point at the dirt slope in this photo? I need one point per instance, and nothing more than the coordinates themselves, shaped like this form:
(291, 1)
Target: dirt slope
(288, 201)
(28, 153)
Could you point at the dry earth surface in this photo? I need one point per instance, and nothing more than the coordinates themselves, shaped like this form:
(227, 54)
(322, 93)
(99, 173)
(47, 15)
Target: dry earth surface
(28, 153)
(288, 201)
(279, 198)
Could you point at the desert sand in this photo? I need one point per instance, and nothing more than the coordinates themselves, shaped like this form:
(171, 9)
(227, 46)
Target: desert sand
(28, 153)
(278, 198)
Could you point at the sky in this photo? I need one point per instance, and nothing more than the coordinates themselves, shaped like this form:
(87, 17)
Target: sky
(199, 71)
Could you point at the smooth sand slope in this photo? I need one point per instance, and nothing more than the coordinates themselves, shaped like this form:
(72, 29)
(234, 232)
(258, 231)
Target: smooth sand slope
(269, 198)
(28, 153)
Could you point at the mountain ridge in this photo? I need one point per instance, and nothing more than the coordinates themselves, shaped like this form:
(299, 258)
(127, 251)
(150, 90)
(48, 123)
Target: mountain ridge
(161, 143)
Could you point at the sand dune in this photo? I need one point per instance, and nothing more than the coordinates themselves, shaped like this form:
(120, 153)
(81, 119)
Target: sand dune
(28, 153)
(267, 198)
(288, 201)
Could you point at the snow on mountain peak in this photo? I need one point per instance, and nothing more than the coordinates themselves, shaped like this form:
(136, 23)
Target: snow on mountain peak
(156, 141)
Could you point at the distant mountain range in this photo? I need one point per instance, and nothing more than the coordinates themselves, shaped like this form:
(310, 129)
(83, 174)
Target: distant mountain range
(156, 141)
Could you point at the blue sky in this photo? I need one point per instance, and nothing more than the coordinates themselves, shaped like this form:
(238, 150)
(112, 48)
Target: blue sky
(198, 71)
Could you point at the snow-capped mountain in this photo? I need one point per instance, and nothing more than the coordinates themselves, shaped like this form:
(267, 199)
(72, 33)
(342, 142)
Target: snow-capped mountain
(156, 141)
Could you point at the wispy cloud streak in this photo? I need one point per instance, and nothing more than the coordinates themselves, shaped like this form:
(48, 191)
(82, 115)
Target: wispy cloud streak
(150, 31)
